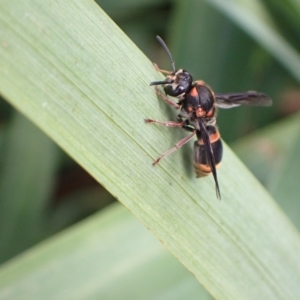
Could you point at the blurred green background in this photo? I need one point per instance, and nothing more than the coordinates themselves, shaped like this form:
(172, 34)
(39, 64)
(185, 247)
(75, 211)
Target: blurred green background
(43, 191)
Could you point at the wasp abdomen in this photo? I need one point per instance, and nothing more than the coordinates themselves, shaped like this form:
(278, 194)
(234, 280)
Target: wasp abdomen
(201, 163)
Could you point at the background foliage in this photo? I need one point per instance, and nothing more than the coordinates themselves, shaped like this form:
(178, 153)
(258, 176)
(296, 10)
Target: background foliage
(42, 191)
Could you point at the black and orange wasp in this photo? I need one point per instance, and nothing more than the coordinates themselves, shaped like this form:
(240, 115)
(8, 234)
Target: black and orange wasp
(198, 110)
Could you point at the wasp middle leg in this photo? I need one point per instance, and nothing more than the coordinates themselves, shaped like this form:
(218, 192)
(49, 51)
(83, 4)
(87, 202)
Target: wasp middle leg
(168, 123)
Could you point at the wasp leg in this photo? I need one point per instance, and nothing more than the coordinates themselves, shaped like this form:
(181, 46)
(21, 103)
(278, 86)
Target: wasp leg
(168, 123)
(176, 147)
(166, 99)
(162, 71)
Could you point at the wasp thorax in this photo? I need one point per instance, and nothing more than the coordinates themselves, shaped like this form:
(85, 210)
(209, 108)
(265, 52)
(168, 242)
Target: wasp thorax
(200, 96)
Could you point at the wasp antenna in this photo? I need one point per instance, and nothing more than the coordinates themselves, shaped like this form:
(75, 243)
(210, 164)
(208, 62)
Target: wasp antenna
(160, 40)
(160, 82)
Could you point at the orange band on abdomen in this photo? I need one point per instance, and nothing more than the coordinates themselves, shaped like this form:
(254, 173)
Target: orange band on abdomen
(202, 170)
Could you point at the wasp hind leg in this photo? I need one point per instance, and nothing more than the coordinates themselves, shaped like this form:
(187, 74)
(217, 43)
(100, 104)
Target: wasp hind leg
(180, 123)
(176, 147)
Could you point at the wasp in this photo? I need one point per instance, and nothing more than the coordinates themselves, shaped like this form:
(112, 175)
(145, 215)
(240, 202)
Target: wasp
(198, 110)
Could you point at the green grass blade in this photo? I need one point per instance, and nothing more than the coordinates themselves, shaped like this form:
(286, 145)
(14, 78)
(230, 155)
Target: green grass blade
(109, 256)
(272, 155)
(255, 20)
(69, 69)
(28, 168)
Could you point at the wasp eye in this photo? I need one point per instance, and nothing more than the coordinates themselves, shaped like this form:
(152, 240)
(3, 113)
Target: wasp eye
(180, 89)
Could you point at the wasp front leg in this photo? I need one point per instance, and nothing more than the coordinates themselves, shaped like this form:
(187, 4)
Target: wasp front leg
(166, 99)
(162, 71)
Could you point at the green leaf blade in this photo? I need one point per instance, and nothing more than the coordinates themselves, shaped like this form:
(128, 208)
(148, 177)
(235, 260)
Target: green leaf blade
(87, 262)
(77, 77)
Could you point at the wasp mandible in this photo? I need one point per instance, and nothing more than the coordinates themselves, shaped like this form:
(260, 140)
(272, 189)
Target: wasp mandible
(198, 110)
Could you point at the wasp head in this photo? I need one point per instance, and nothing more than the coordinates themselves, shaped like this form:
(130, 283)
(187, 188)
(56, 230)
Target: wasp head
(180, 83)
(176, 84)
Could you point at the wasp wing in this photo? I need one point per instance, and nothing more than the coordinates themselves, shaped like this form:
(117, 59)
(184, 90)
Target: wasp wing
(246, 98)
(209, 154)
